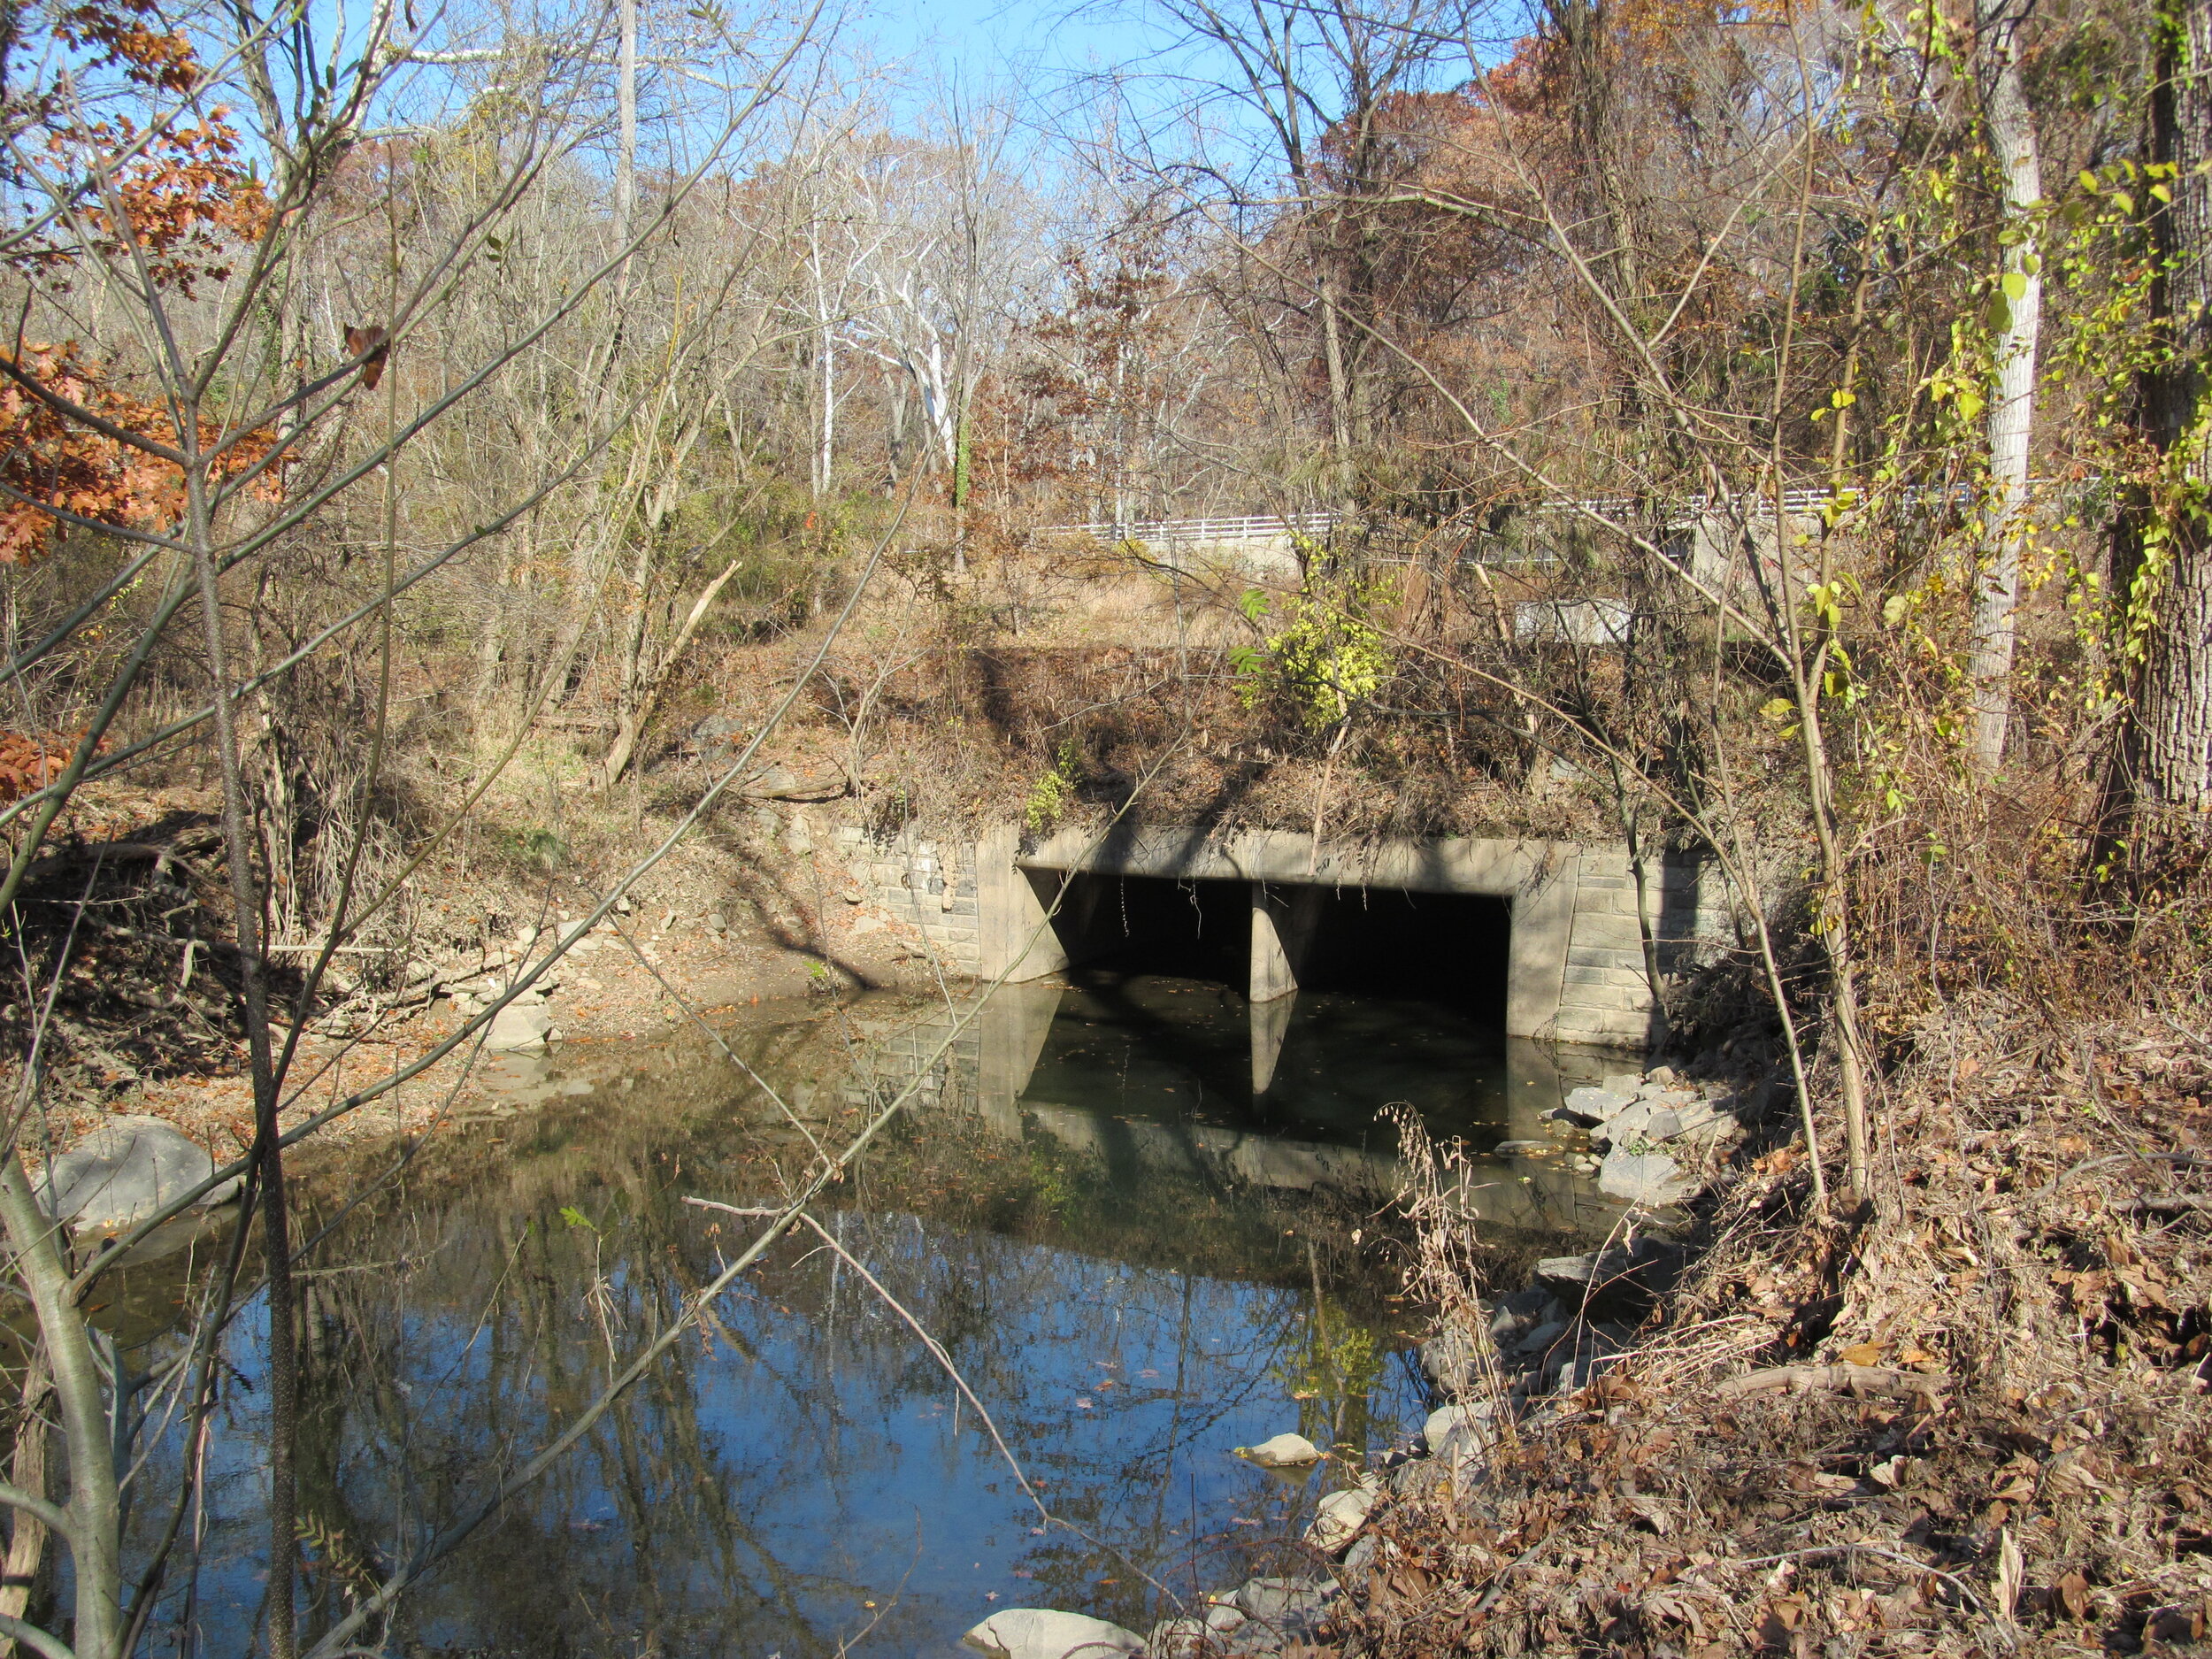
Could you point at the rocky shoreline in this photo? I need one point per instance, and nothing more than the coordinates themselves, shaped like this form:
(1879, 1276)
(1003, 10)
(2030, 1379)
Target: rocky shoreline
(1542, 1345)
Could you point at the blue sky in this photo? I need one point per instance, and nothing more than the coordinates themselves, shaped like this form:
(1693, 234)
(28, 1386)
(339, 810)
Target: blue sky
(981, 39)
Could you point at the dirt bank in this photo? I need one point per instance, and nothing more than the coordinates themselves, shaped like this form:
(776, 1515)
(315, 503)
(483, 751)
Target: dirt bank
(1974, 1418)
(127, 956)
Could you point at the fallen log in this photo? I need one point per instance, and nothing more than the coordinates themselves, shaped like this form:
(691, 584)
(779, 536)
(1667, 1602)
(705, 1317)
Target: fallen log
(1838, 1378)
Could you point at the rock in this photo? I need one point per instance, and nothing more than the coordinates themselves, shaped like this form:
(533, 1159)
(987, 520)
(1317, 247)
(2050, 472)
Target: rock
(1175, 1638)
(1646, 1177)
(1287, 1604)
(1284, 1451)
(1362, 1552)
(1624, 1083)
(1448, 1420)
(1518, 1149)
(1593, 1106)
(1341, 1514)
(1649, 1266)
(516, 1027)
(1449, 1358)
(1663, 1074)
(1663, 1124)
(1420, 1476)
(1224, 1617)
(1460, 1435)
(1625, 1126)
(1037, 1632)
(774, 782)
(126, 1169)
(1541, 1338)
(1699, 1119)
(1567, 1277)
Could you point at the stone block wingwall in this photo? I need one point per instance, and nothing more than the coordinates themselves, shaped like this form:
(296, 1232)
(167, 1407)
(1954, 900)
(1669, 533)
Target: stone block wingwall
(1605, 989)
(928, 886)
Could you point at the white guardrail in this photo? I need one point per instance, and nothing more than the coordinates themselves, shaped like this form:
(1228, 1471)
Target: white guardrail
(1269, 526)
(1253, 527)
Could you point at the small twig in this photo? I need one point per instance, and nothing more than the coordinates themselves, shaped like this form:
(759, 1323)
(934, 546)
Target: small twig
(1951, 1578)
(937, 1352)
(2182, 1160)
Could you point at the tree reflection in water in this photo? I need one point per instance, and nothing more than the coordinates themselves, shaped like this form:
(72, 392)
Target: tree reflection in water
(804, 1472)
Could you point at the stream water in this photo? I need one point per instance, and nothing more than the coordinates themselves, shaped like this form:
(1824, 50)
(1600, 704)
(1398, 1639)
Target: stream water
(1141, 1218)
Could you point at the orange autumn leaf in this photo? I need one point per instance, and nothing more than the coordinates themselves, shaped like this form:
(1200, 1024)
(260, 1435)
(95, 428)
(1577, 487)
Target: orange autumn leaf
(52, 463)
(27, 764)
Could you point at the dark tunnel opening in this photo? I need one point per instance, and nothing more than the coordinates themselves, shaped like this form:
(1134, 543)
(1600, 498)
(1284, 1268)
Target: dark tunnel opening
(1445, 948)
(1195, 929)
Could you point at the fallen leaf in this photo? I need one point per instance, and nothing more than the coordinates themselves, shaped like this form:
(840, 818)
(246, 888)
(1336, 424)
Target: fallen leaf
(2073, 1592)
(1862, 1353)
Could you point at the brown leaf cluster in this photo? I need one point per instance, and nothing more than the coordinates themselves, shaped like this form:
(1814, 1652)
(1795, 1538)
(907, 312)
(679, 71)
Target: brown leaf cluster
(53, 461)
(27, 764)
(2042, 1243)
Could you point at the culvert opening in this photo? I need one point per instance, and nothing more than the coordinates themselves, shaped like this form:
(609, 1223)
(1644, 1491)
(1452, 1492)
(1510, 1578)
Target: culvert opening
(1446, 948)
(1195, 930)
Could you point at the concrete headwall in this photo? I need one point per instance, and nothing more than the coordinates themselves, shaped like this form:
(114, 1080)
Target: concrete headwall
(1577, 969)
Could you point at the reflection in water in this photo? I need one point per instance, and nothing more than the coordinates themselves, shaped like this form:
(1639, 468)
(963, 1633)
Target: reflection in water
(1137, 1258)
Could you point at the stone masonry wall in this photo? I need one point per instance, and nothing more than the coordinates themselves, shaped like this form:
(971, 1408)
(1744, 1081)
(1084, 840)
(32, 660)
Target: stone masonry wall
(1606, 996)
(927, 885)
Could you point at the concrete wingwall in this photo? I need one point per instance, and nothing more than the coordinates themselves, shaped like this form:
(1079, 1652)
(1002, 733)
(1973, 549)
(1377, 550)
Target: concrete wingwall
(1578, 967)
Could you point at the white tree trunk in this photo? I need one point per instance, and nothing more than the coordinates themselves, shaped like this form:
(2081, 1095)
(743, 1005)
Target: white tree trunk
(625, 97)
(826, 447)
(2012, 390)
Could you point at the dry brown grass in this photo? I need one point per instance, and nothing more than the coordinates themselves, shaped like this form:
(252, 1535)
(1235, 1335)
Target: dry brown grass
(2040, 1253)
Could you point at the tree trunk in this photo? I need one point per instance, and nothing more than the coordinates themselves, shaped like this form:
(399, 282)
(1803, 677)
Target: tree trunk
(633, 722)
(2169, 740)
(2010, 425)
(626, 101)
(27, 1544)
(96, 1507)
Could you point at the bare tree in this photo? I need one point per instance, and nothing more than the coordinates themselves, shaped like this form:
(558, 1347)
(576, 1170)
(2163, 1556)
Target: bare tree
(2018, 301)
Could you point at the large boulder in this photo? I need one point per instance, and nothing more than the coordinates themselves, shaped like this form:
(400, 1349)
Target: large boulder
(125, 1170)
(1646, 1177)
(1341, 1514)
(516, 1027)
(1039, 1632)
(1593, 1106)
(1283, 1451)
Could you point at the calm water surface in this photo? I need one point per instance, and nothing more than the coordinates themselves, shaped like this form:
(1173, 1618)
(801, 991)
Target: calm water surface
(1140, 1217)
